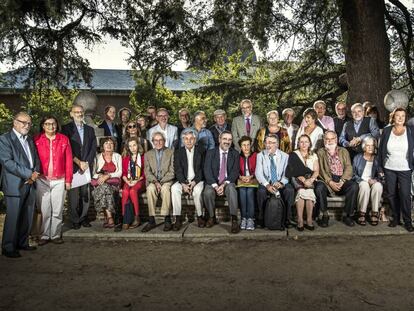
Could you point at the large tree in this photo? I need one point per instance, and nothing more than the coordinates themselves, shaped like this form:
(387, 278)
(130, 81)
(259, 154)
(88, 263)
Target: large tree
(38, 38)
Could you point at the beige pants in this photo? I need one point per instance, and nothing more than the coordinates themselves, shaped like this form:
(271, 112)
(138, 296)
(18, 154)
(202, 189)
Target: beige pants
(176, 193)
(366, 192)
(165, 197)
(50, 197)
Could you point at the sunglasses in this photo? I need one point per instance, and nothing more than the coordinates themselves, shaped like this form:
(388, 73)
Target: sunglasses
(132, 126)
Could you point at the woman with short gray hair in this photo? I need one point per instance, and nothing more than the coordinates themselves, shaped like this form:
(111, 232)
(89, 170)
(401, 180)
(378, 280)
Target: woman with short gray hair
(368, 176)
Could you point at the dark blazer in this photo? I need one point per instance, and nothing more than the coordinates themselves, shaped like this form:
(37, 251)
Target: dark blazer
(212, 166)
(87, 150)
(107, 132)
(181, 164)
(15, 164)
(382, 149)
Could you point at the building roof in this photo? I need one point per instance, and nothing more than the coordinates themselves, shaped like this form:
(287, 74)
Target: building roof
(109, 80)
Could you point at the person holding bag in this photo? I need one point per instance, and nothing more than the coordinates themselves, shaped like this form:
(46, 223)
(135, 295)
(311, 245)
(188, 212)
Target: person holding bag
(106, 180)
(303, 169)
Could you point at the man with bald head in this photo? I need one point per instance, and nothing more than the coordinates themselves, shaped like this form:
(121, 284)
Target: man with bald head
(20, 169)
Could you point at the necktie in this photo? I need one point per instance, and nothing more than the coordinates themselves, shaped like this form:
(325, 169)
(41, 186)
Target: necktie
(248, 126)
(27, 149)
(273, 172)
(223, 168)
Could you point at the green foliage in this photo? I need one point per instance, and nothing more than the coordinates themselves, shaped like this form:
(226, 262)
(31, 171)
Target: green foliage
(44, 101)
(6, 118)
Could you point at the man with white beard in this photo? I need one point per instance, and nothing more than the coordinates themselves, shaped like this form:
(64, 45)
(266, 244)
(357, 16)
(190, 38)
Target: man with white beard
(335, 172)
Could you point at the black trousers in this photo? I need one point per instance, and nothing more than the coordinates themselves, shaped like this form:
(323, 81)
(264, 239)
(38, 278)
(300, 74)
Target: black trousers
(349, 189)
(79, 199)
(398, 184)
(287, 194)
(19, 219)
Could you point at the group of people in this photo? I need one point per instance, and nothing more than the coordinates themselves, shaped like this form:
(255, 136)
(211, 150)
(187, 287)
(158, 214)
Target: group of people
(247, 161)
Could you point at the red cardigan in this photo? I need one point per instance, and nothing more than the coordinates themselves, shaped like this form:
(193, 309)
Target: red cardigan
(252, 164)
(62, 156)
(125, 164)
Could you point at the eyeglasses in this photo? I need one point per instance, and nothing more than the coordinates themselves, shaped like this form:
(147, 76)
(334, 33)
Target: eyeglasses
(25, 123)
(132, 126)
(49, 124)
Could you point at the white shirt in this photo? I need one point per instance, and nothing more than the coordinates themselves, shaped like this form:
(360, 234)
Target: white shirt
(190, 162)
(366, 174)
(397, 149)
(25, 144)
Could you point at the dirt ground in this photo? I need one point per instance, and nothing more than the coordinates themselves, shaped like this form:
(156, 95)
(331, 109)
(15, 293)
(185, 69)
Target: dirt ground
(317, 274)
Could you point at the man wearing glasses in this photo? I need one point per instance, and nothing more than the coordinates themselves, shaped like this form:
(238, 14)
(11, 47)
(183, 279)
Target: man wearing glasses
(169, 131)
(83, 143)
(20, 164)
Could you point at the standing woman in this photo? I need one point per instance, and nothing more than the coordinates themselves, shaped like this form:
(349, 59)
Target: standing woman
(273, 127)
(311, 129)
(132, 129)
(106, 180)
(247, 183)
(133, 177)
(303, 169)
(56, 169)
(395, 157)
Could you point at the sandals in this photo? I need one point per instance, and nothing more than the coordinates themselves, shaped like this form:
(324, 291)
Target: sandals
(110, 223)
(374, 218)
(361, 219)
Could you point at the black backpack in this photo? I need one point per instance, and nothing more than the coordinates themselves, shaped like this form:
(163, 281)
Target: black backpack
(274, 214)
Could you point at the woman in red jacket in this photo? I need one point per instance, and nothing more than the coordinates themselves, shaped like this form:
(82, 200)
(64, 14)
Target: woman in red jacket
(247, 183)
(55, 156)
(133, 177)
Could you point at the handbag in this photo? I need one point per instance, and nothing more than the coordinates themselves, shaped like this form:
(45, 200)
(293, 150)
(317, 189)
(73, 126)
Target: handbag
(113, 181)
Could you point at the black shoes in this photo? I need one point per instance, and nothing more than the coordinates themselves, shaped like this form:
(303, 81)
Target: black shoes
(409, 227)
(14, 254)
(149, 226)
(300, 229)
(168, 226)
(235, 228)
(86, 224)
(310, 228)
(28, 248)
(348, 221)
(76, 226)
(178, 224)
(324, 221)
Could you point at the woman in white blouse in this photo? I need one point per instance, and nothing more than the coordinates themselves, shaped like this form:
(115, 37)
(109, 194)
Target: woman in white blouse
(311, 129)
(395, 157)
(368, 176)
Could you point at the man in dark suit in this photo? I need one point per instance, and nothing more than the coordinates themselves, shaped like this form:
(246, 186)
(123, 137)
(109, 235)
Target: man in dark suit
(188, 167)
(83, 142)
(221, 170)
(111, 128)
(20, 167)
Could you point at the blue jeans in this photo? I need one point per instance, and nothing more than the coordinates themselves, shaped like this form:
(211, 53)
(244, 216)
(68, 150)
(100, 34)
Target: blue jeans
(247, 199)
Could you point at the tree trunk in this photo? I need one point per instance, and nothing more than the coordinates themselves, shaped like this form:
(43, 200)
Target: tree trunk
(367, 51)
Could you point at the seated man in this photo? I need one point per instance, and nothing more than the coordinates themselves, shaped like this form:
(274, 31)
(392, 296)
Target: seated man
(355, 130)
(270, 173)
(159, 172)
(188, 167)
(335, 172)
(221, 171)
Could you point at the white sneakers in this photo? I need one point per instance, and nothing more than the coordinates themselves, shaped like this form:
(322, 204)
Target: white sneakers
(247, 224)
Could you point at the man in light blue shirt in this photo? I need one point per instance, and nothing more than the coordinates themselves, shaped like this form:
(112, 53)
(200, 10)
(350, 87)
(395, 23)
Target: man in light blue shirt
(270, 173)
